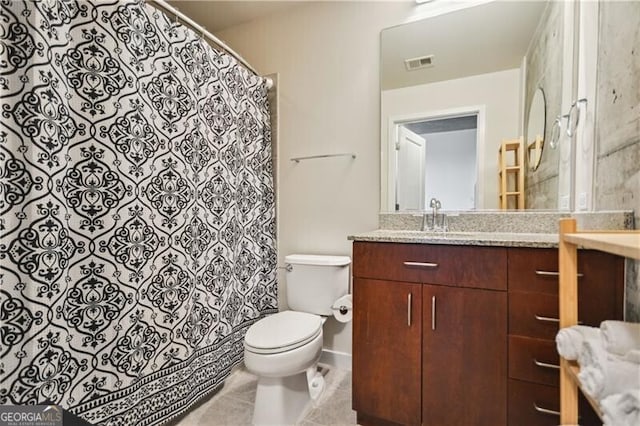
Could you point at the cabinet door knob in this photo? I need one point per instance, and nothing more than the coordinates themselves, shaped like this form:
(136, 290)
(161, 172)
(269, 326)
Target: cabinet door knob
(421, 264)
(409, 309)
(545, 410)
(546, 365)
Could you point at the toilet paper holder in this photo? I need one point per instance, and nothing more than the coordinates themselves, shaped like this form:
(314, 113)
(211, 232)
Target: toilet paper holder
(343, 309)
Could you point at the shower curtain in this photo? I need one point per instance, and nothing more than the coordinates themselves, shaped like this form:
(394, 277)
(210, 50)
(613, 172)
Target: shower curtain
(137, 219)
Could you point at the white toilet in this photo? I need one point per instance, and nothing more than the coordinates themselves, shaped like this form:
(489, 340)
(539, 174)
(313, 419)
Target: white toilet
(283, 349)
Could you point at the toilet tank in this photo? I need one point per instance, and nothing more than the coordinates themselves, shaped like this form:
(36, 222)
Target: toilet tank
(314, 282)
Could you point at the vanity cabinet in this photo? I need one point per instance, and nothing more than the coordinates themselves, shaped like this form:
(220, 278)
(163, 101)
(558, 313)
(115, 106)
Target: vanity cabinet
(534, 364)
(464, 335)
(429, 334)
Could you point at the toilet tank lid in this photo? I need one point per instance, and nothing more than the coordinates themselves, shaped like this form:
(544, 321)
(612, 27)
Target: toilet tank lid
(315, 259)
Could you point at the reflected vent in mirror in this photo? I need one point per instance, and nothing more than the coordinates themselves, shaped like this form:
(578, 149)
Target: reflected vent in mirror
(417, 63)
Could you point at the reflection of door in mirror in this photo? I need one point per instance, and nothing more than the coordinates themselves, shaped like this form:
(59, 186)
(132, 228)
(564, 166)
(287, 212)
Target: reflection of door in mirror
(436, 158)
(410, 150)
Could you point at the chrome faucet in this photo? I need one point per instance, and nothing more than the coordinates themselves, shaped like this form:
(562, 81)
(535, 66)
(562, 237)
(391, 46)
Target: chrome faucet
(435, 205)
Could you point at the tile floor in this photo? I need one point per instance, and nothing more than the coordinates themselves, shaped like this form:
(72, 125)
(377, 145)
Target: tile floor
(233, 404)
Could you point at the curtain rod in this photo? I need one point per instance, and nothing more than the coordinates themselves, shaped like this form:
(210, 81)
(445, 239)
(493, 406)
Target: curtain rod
(199, 28)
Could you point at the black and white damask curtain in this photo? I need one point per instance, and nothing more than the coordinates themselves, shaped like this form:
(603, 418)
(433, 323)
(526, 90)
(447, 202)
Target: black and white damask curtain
(137, 223)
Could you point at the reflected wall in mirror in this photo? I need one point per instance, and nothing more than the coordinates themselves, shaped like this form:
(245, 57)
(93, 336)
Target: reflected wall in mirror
(482, 58)
(534, 137)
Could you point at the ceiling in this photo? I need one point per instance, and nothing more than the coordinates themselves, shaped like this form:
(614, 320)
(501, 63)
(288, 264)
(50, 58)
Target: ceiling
(217, 15)
(484, 38)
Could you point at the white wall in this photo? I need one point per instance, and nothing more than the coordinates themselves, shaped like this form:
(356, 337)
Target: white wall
(326, 55)
(498, 92)
(450, 164)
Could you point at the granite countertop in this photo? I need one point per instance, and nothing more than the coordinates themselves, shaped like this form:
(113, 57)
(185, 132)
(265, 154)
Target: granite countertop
(501, 239)
(491, 228)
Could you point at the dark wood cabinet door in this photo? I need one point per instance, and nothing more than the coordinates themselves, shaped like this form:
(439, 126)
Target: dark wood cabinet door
(464, 351)
(387, 329)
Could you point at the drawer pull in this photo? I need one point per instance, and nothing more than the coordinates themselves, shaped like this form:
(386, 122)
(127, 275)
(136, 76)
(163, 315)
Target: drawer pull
(421, 264)
(409, 309)
(545, 410)
(433, 312)
(550, 319)
(547, 319)
(552, 273)
(546, 365)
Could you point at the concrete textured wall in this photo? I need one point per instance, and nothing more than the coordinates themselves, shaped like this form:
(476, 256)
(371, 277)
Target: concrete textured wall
(544, 69)
(617, 168)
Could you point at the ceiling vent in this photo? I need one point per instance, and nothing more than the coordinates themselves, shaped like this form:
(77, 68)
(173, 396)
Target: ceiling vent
(417, 63)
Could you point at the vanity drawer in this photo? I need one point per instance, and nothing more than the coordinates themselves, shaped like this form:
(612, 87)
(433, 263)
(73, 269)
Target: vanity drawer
(534, 360)
(536, 314)
(533, 315)
(536, 270)
(529, 403)
(461, 266)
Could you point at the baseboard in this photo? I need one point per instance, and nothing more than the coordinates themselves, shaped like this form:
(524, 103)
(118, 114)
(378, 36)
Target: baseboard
(341, 360)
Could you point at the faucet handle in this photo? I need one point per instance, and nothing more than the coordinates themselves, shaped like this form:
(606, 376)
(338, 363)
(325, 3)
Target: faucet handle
(444, 225)
(438, 204)
(433, 203)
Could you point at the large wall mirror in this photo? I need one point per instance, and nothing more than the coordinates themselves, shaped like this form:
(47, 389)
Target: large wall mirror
(453, 86)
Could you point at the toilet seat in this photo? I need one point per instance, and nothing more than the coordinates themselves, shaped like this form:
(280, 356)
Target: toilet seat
(282, 332)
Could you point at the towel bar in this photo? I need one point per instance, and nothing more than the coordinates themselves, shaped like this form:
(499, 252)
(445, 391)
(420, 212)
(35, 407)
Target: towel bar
(311, 157)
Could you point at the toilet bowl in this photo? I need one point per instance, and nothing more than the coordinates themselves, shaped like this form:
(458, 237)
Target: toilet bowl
(283, 349)
(283, 344)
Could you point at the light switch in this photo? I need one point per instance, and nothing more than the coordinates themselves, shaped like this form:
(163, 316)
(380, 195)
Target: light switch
(582, 201)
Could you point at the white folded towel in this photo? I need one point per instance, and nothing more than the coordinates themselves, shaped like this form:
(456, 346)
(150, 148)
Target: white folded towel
(602, 373)
(633, 356)
(591, 380)
(569, 339)
(620, 337)
(622, 409)
(592, 353)
(612, 376)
